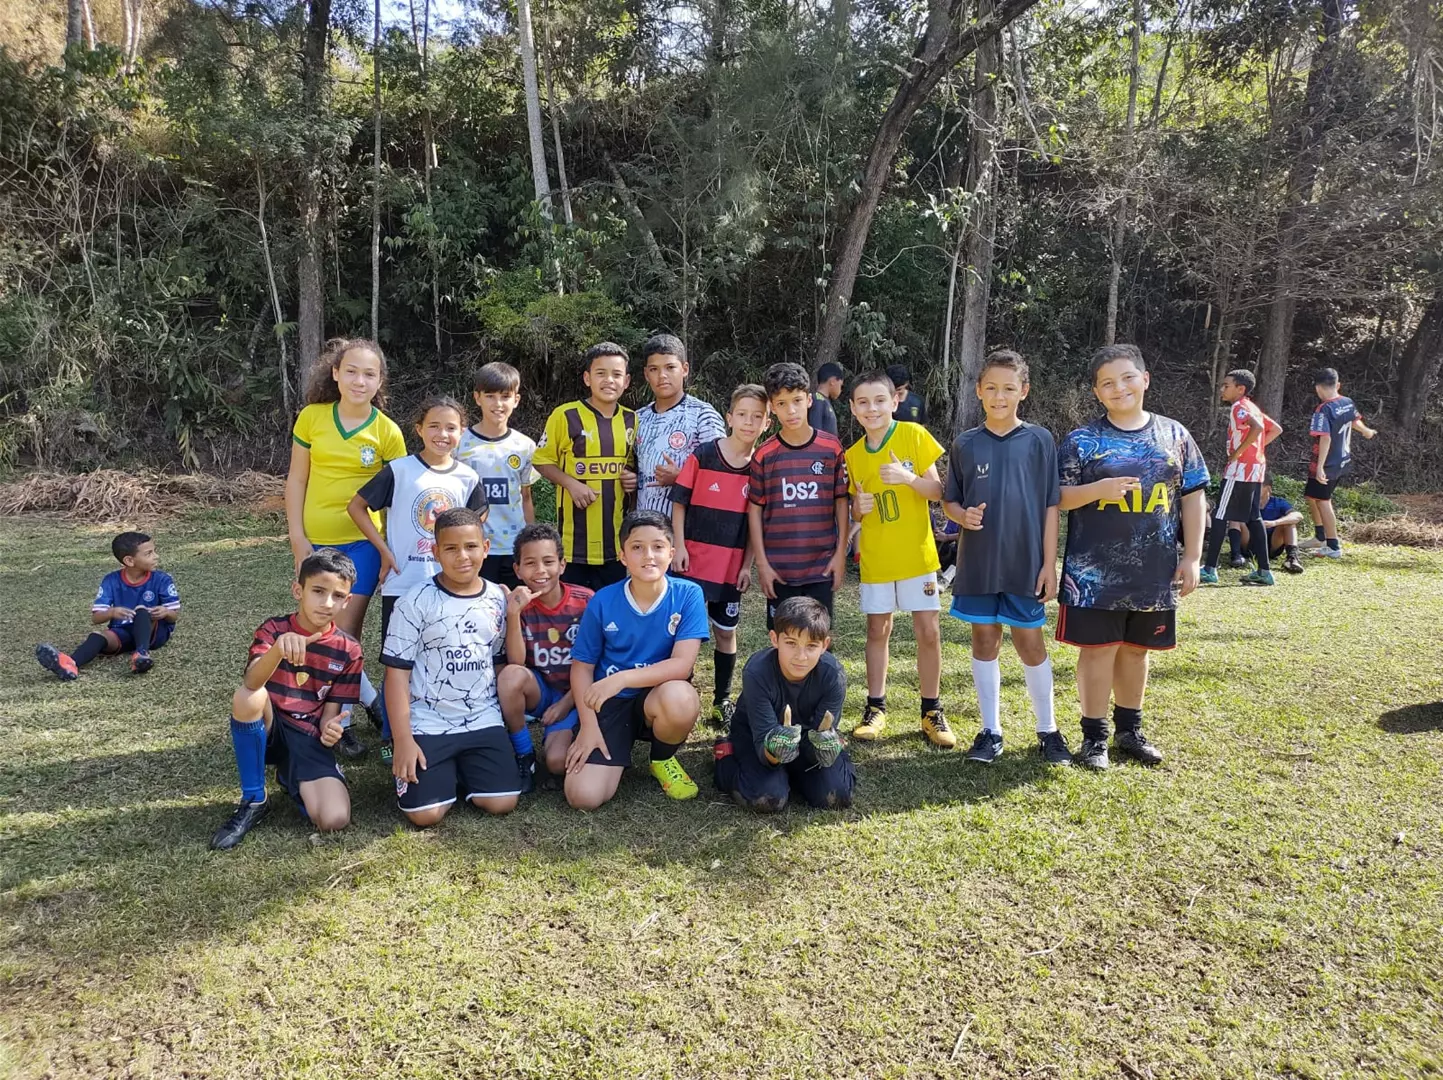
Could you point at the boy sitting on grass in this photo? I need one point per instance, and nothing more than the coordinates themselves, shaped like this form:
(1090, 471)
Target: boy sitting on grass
(441, 685)
(783, 737)
(630, 667)
(543, 617)
(138, 603)
(303, 676)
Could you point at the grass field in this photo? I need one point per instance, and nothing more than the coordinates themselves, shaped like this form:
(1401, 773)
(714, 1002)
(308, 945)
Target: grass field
(1268, 903)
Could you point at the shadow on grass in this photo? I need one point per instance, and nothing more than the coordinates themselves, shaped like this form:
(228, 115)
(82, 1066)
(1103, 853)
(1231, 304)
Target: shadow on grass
(1413, 719)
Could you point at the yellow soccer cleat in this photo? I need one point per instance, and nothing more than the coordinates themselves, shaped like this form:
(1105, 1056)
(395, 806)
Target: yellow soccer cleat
(673, 779)
(934, 726)
(874, 722)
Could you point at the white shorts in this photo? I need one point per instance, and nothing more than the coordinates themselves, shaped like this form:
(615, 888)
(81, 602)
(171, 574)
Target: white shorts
(910, 594)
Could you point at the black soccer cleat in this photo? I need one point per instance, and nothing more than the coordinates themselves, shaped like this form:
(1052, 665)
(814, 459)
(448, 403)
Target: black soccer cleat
(57, 663)
(238, 824)
(1053, 748)
(1134, 744)
(349, 746)
(1093, 754)
(140, 662)
(986, 748)
(526, 768)
(1238, 562)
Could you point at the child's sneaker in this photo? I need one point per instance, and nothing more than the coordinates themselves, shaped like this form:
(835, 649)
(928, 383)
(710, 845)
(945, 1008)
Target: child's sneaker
(388, 751)
(526, 768)
(1207, 576)
(140, 662)
(1292, 564)
(934, 726)
(53, 660)
(1326, 552)
(1258, 577)
(1238, 562)
(874, 722)
(1052, 745)
(1312, 543)
(1093, 754)
(349, 746)
(1135, 745)
(673, 779)
(986, 748)
(238, 824)
(721, 714)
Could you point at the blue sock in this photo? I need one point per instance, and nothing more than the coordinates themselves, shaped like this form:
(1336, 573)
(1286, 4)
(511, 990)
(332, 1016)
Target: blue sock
(249, 743)
(521, 741)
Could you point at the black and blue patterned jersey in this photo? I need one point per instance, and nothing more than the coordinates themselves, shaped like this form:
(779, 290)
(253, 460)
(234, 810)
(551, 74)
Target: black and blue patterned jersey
(1122, 554)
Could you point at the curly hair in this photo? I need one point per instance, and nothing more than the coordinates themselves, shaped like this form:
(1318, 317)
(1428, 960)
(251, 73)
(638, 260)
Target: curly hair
(321, 386)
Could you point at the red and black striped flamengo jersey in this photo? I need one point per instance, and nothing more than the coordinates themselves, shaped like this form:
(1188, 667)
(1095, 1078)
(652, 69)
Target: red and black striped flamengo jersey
(715, 497)
(797, 488)
(549, 634)
(332, 672)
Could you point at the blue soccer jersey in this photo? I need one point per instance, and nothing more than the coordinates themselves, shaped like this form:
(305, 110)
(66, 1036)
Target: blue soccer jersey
(616, 634)
(1122, 554)
(156, 589)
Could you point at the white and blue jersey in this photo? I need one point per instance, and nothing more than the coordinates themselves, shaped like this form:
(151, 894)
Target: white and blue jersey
(616, 634)
(1122, 554)
(156, 589)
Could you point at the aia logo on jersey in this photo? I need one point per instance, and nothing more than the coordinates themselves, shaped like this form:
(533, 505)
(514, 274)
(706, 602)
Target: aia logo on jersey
(368, 456)
(817, 468)
(677, 440)
(428, 505)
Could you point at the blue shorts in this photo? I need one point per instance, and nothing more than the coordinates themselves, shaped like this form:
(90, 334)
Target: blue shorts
(368, 564)
(1009, 609)
(549, 697)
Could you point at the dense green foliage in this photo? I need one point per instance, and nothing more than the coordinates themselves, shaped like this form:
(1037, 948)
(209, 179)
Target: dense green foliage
(151, 225)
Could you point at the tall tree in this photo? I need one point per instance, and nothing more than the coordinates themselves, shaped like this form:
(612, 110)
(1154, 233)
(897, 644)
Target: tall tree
(376, 175)
(540, 179)
(310, 315)
(1119, 224)
(1419, 366)
(947, 40)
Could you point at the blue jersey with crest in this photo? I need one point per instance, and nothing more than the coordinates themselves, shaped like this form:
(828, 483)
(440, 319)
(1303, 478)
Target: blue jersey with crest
(156, 589)
(616, 634)
(1121, 555)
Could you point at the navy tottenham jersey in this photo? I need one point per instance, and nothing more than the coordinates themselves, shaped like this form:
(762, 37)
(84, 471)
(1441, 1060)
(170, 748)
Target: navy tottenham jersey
(616, 634)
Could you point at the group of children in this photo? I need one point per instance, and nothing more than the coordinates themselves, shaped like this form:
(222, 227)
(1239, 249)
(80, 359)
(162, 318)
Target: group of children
(593, 626)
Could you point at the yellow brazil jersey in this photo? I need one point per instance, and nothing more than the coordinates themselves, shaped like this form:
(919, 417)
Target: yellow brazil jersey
(897, 541)
(341, 463)
(588, 446)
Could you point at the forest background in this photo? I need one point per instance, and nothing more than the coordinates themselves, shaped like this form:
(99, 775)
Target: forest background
(194, 195)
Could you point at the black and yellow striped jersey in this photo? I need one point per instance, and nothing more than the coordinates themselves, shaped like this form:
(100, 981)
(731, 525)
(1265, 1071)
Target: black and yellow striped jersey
(594, 449)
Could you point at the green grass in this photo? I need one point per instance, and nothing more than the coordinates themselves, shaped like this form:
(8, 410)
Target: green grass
(1266, 904)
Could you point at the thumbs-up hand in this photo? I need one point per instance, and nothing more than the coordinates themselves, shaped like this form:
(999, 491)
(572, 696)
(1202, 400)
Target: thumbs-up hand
(293, 646)
(826, 741)
(895, 472)
(866, 502)
(972, 517)
(666, 472)
(333, 728)
(784, 742)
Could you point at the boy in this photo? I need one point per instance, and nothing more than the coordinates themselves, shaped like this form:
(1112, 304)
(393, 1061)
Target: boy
(503, 460)
(543, 616)
(441, 685)
(829, 389)
(1250, 430)
(1280, 522)
(910, 406)
(893, 468)
(669, 430)
(1132, 481)
(709, 500)
(589, 452)
(301, 679)
(630, 667)
(1002, 489)
(783, 738)
(1334, 421)
(797, 515)
(138, 603)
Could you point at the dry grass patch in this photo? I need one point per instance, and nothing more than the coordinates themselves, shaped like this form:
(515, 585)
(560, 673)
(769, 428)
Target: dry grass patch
(113, 495)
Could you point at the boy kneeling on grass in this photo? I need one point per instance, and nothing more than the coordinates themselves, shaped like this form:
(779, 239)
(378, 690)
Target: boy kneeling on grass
(303, 676)
(784, 738)
(450, 739)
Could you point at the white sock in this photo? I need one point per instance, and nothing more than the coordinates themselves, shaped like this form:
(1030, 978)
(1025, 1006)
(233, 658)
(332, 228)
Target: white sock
(987, 678)
(1039, 689)
(368, 693)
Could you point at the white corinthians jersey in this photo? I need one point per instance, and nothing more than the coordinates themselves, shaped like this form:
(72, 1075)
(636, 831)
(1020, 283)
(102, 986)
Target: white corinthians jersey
(446, 641)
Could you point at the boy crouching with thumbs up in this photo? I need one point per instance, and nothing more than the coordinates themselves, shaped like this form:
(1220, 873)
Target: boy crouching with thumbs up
(893, 471)
(303, 676)
(1002, 488)
(783, 737)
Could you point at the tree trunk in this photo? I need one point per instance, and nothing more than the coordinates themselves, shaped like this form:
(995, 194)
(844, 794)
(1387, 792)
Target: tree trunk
(1308, 136)
(89, 13)
(310, 314)
(551, 107)
(74, 22)
(1119, 225)
(944, 44)
(376, 177)
(277, 313)
(982, 228)
(1418, 368)
(540, 179)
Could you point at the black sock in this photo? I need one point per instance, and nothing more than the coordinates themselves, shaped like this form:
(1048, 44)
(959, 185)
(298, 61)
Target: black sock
(1318, 532)
(88, 650)
(1235, 542)
(1259, 543)
(726, 663)
(1125, 719)
(660, 751)
(1094, 729)
(930, 703)
(1215, 543)
(877, 702)
(1291, 550)
(141, 626)
(1334, 543)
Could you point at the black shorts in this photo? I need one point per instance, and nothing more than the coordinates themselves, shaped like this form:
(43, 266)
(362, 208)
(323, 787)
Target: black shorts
(388, 605)
(501, 569)
(1092, 628)
(467, 765)
(726, 613)
(299, 757)
(591, 577)
(1239, 500)
(623, 722)
(760, 784)
(820, 591)
(1323, 492)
